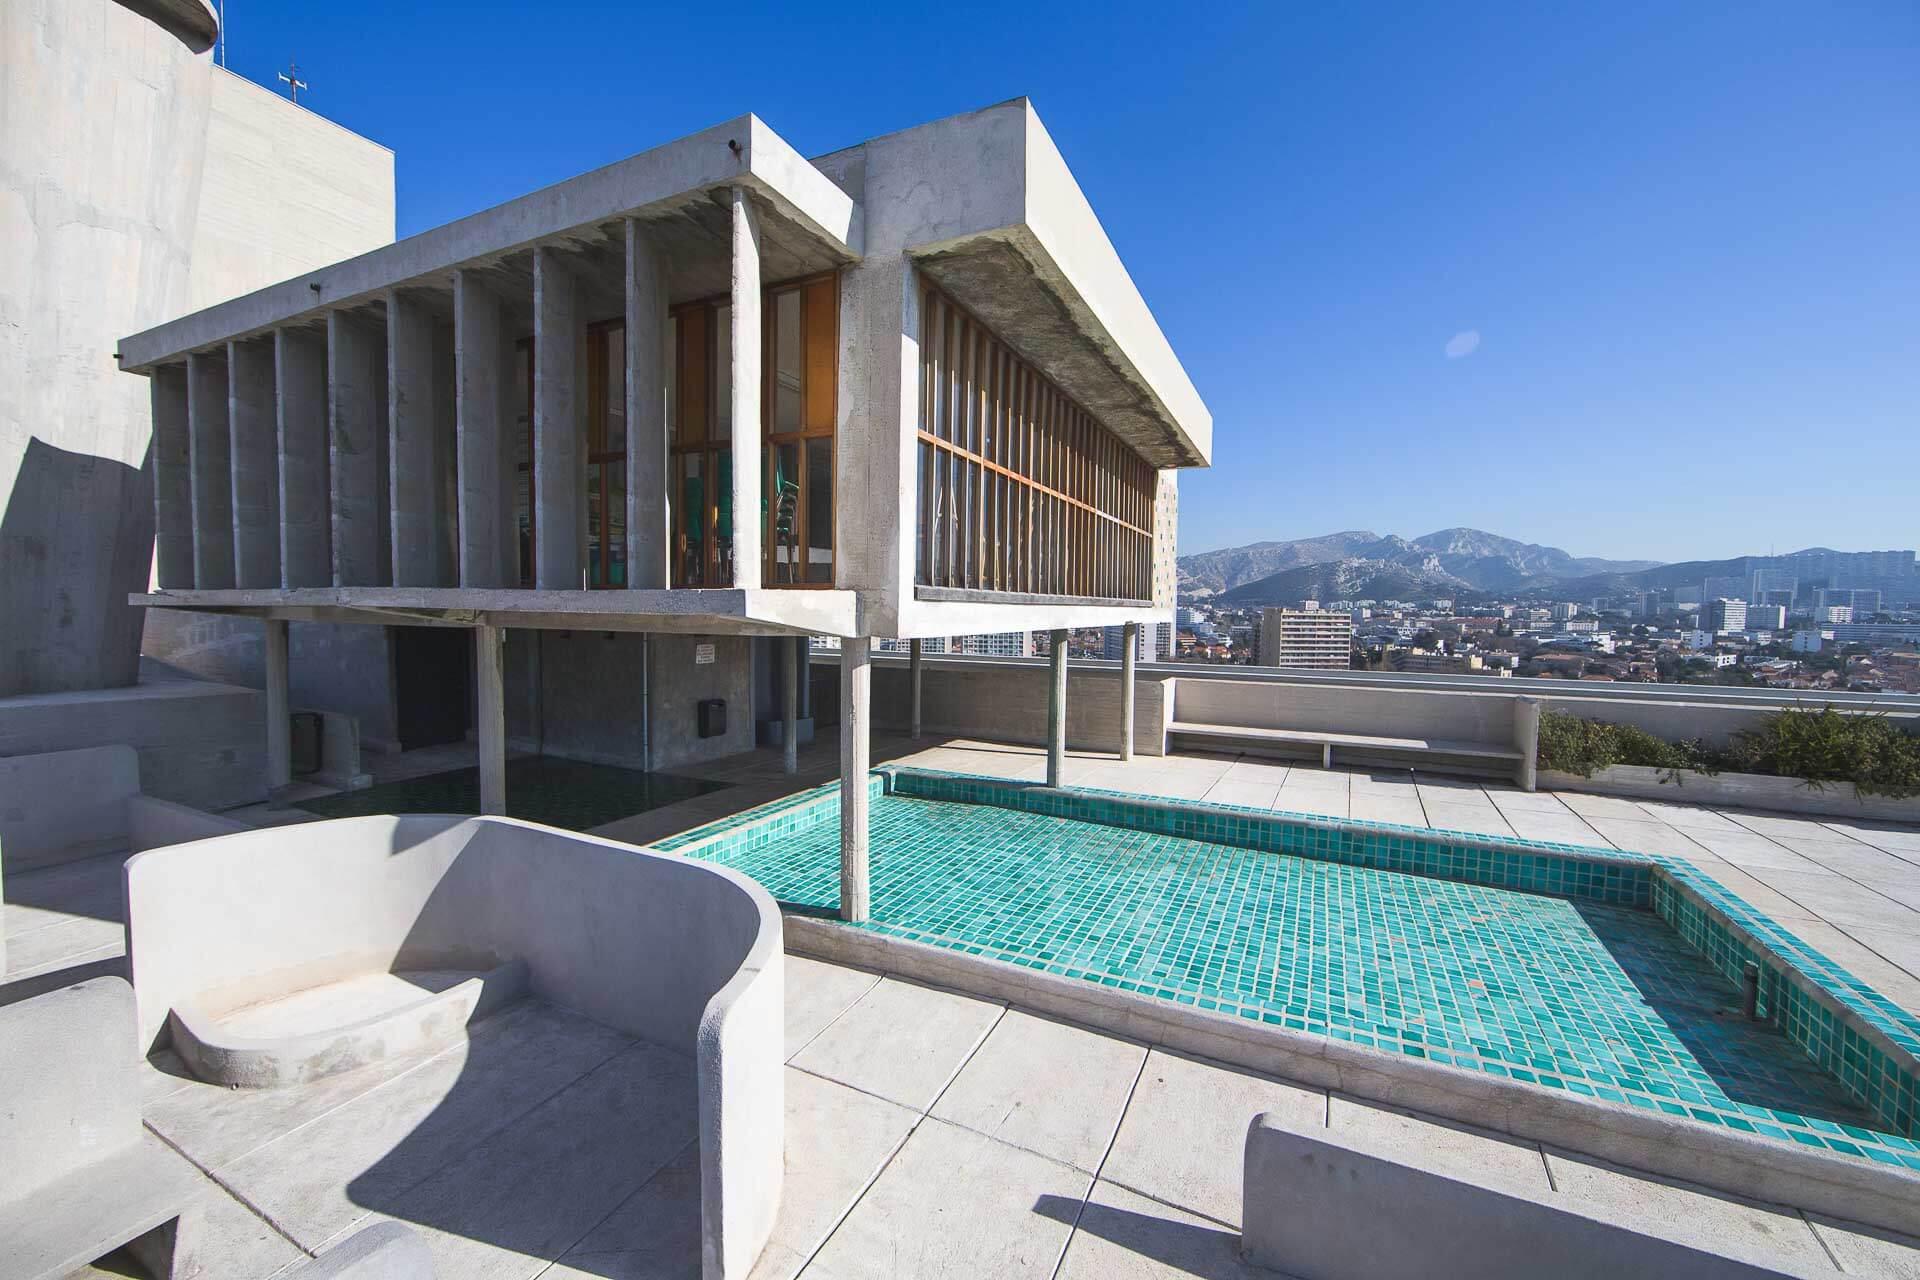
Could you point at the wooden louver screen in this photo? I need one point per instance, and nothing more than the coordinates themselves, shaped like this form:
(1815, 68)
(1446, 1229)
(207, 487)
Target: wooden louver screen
(1020, 489)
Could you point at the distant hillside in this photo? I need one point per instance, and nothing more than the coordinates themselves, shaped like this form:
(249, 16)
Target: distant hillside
(1353, 579)
(1445, 562)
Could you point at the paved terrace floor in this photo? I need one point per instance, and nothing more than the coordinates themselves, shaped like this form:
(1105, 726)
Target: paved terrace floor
(929, 1132)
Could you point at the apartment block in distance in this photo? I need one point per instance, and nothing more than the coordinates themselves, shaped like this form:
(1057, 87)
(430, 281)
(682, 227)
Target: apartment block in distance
(1316, 639)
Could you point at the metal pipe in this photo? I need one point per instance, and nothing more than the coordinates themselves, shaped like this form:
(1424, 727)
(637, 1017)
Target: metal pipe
(1750, 991)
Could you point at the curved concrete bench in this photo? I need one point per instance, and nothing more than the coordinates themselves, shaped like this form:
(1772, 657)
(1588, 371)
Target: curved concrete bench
(684, 954)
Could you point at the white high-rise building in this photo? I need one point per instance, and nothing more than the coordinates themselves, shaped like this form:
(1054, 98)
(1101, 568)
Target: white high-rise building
(1302, 638)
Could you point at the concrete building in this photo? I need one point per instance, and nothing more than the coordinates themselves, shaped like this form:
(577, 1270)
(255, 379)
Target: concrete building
(1153, 642)
(1809, 641)
(141, 181)
(1561, 612)
(1724, 614)
(1301, 638)
(918, 361)
(1772, 617)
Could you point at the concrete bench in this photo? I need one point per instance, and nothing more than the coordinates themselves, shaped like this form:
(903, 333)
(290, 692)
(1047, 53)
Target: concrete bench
(79, 1175)
(1352, 724)
(1360, 1207)
(315, 947)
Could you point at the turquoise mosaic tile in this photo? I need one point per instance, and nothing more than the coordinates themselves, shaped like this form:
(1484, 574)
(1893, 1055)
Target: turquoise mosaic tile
(1604, 974)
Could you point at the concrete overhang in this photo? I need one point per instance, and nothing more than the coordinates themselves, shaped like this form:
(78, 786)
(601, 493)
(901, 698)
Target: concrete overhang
(756, 611)
(679, 190)
(987, 209)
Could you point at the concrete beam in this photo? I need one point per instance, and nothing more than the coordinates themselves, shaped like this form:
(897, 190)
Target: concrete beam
(279, 722)
(746, 391)
(856, 701)
(1057, 709)
(256, 463)
(790, 702)
(483, 359)
(172, 478)
(300, 405)
(210, 454)
(1129, 656)
(357, 450)
(915, 674)
(1526, 738)
(649, 520)
(420, 423)
(490, 709)
(559, 424)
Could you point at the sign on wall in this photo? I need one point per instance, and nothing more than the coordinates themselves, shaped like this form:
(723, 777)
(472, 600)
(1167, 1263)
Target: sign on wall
(703, 655)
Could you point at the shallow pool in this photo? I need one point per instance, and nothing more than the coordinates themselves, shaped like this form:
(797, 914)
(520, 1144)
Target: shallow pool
(1597, 997)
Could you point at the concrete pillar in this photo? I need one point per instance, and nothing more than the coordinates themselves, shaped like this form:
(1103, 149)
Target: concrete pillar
(559, 406)
(1526, 740)
(420, 427)
(210, 459)
(484, 423)
(856, 688)
(255, 448)
(649, 540)
(789, 704)
(490, 709)
(914, 647)
(172, 478)
(746, 391)
(300, 407)
(357, 450)
(1057, 710)
(1129, 652)
(803, 645)
(279, 725)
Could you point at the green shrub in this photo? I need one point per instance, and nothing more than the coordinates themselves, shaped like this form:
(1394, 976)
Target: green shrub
(1819, 747)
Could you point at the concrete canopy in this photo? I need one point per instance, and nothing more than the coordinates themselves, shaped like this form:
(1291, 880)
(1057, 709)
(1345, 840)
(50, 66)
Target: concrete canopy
(678, 190)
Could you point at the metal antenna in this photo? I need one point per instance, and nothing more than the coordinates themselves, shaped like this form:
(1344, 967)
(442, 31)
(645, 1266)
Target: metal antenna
(291, 78)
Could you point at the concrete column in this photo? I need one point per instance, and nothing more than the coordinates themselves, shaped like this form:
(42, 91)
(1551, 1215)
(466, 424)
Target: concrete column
(279, 725)
(300, 407)
(1526, 740)
(1057, 710)
(559, 404)
(490, 709)
(746, 392)
(649, 539)
(803, 645)
(914, 647)
(484, 416)
(210, 458)
(172, 478)
(789, 704)
(357, 450)
(1129, 652)
(256, 463)
(420, 426)
(856, 688)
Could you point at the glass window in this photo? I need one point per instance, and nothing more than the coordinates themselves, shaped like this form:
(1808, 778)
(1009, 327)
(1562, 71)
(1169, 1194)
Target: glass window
(786, 362)
(723, 373)
(690, 551)
(783, 496)
(820, 510)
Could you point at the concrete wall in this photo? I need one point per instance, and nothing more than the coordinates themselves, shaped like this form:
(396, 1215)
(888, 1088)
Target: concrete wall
(139, 181)
(203, 745)
(684, 954)
(340, 667)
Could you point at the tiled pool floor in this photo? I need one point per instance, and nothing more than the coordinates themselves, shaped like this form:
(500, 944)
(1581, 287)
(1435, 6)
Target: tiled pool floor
(1603, 1001)
(561, 793)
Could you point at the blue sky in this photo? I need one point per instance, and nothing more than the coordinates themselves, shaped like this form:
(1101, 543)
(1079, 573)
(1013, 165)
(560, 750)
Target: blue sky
(1637, 280)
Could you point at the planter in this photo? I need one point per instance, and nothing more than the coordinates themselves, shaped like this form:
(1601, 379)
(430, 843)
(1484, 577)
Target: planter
(1736, 791)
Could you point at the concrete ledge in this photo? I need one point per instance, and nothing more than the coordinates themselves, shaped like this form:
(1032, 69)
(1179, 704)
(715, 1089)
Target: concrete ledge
(384, 1251)
(1737, 791)
(1358, 1208)
(437, 1020)
(1857, 1190)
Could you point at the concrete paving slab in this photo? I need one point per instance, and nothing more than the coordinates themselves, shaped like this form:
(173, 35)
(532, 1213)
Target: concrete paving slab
(1253, 795)
(1838, 900)
(1046, 1087)
(901, 1041)
(62, 942)
(954, 1203)
(1251, 770)
(655, 1235)
(1680, 815)
(1881, 835)
(528, 1194)
(1592, 806)
(1124, 1236)
(1868, 1251)
(362, 1155)
(1383, 807)
(1532, 824)
(1446, 1147)
(1509, 801)
(818, 993)
(1483, 818)
(1754, 852)
(1742, 1229)
(1184, 1135)
(1323, 801)
(1753, 892)
(1646, 837)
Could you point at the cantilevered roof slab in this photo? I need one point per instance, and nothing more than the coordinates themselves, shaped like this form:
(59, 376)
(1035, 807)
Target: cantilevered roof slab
(679, 190)
(987, 209)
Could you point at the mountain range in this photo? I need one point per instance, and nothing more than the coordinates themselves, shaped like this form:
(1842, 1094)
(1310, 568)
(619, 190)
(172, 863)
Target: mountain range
(1362, 565)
